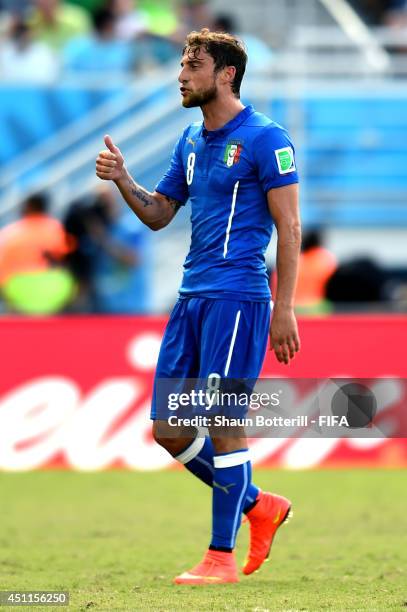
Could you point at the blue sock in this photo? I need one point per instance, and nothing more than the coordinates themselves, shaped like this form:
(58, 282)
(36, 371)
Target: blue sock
(198, 459)
(230, 484)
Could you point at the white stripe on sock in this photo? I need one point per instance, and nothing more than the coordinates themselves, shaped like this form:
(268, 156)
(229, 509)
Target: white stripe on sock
(191, 452)
(231, 459)
(238, 507)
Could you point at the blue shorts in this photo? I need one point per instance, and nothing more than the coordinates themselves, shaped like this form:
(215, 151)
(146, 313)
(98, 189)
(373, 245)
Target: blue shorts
(206, 336)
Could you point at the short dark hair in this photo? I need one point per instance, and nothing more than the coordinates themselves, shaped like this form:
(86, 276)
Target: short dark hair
(225, 49)
(35, 203)
(311, 239)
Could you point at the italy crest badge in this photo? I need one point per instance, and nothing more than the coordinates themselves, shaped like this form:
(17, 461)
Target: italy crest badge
(232, 153)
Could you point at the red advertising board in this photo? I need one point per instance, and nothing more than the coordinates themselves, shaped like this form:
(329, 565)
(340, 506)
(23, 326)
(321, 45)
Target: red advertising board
(75, 392)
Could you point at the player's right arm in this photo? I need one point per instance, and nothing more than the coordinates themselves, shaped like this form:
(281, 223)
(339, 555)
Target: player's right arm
(154, 209)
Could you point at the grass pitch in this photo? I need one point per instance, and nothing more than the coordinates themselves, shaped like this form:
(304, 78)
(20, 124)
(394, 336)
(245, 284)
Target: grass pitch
(115, 540)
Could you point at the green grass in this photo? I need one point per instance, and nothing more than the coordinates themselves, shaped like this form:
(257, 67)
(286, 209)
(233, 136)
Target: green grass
(116, 539)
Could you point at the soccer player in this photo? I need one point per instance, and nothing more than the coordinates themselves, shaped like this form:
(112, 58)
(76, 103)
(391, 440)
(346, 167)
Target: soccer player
(237, 168)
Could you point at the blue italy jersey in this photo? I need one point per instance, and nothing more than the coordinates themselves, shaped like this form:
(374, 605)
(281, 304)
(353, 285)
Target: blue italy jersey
(226, 174)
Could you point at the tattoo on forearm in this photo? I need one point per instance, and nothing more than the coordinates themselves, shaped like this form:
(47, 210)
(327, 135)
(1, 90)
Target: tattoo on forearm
(140, 193)
(175, 205)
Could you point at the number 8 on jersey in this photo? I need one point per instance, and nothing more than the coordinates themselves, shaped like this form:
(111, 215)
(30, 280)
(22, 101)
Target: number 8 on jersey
(190, 168)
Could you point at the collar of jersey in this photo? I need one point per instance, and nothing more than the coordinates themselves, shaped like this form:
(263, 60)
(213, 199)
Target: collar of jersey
(230, 126)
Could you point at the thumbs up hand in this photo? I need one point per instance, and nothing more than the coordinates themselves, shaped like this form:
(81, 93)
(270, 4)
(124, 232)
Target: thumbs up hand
(110, 162)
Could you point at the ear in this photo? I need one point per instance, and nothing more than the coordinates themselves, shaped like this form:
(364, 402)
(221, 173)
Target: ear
(229, 73)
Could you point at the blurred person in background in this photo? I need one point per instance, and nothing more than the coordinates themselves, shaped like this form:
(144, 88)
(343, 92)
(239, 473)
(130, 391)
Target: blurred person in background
(132, 24)
(194, 14)
(24, 59)
(316, 267)
(100, 52)
(130, 21)
(33, 279)
(392, 13)
(56, 22)
(357, 284)
(395, 17)
(77, 222)
(118, 248)
(395, 14)
(371, 11)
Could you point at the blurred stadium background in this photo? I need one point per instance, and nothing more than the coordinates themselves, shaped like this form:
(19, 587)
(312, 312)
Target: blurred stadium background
(334, 73)
(85, 289)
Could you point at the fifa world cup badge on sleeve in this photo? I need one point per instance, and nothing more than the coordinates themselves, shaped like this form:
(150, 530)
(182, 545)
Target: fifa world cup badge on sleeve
(285, 160)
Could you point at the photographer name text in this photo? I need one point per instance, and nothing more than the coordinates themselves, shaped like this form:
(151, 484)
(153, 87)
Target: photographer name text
(258, 420)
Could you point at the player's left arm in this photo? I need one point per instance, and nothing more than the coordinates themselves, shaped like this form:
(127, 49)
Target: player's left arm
(284, 208)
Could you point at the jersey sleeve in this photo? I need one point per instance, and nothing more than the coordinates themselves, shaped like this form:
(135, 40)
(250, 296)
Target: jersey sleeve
(174, 184)
(274, 155)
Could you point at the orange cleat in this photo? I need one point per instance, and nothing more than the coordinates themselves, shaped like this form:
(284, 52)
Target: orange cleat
(216, 568)
(265, 518)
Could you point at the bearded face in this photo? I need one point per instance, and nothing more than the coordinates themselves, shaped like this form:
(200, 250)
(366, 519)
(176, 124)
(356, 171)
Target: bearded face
(197, 78)
(200, 97)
